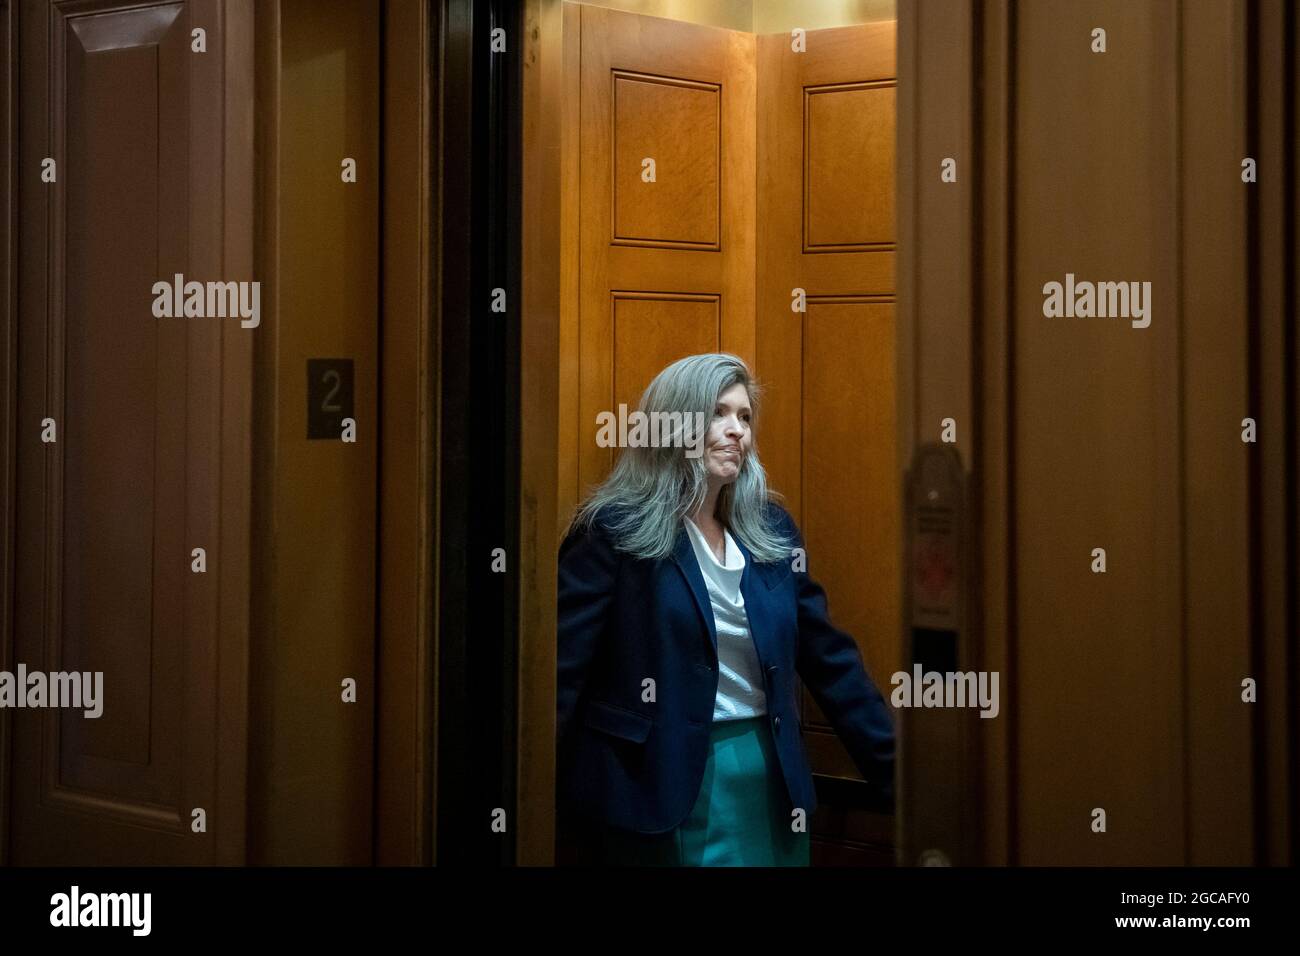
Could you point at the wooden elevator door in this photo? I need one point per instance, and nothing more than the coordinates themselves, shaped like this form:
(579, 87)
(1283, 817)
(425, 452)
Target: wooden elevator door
(826, 218)
(666, 266)
(150, 417)
(773, 171)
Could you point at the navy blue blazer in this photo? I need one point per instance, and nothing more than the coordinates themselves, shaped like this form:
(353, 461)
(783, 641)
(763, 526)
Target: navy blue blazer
(627, 763)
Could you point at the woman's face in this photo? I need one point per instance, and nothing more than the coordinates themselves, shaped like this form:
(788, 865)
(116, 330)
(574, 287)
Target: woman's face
(729, 438)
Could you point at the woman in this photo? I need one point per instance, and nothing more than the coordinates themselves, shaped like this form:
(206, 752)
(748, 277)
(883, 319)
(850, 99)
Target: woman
(683, 616)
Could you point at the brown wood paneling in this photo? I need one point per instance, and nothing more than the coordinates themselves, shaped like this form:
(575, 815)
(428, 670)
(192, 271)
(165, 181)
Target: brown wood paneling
(123, 465)
(1273, 469)
(1290, 747)
(826, 146)
(990, 612)
(1097, 434)
(848, 167)
(1214, 327)
(648, 331)
(571, 432)
(1096, 405)
(683, 95)
(237, 202)
(8, 400)
(822, 243)
(544, 231)
(678, 125)
(405, 778)
(311, 784)
(849, 475)
(151, 458)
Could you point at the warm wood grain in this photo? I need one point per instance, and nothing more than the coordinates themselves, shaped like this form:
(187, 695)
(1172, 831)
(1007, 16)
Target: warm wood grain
(154, 153)
(685, 96)
(311, 783)
(405, 763)
(829, 422)
(1090, 433)
(542, 322)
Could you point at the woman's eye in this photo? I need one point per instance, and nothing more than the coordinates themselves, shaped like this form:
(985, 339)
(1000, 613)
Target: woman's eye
(721, 413)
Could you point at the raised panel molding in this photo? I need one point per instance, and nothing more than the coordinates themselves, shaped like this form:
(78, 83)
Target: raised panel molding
(664, 328)
(118, 384)
(101, 26)
(153, 147)
(678, 124)
(848, 151)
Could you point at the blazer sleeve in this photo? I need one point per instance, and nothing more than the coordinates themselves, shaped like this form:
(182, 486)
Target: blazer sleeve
(831, 666)
(588, 572)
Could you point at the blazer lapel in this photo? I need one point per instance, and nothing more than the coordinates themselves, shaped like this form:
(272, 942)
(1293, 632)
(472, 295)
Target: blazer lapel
(684, 556)
(751, 586)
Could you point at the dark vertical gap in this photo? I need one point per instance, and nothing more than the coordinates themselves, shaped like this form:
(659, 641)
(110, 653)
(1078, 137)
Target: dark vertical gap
(1254, 398)
(1013, 760)
(497, 387)
(480, 724)
(514, 252)
(457, 808)
(479, 370)
(975, 492)
(1290, 394)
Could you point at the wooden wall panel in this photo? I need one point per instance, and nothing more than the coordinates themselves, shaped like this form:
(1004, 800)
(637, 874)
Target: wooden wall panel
(569, 424)
(311, 787)
(124, 465)
(682, 95)
(848, 167)
(1092, 431)
(678, 124)
(8, 400)
(828, 425)
(152, 452)
(1095, 405)
(405, 783)
(825, 205)
(849, 471)
(1273, 33)
(990, 619)
(649, 331)
(546, 222)
(1214, 392)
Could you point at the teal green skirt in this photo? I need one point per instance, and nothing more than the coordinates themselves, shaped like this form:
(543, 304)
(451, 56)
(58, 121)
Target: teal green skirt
(742, 816)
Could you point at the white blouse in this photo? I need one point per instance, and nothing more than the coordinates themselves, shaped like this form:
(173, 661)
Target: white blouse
(740, 675)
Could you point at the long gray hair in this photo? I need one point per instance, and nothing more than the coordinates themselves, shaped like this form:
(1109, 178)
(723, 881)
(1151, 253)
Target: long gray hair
(652, 489)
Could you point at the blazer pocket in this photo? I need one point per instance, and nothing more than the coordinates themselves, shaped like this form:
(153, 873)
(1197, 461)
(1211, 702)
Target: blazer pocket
(618, 721)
